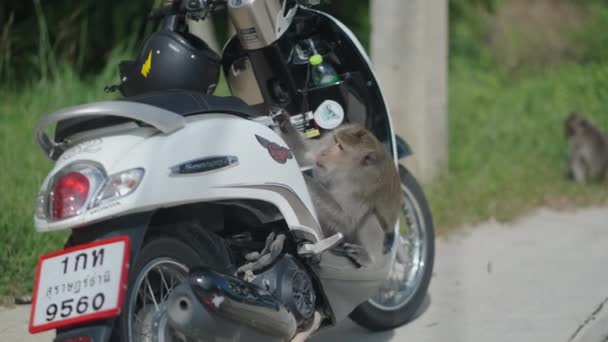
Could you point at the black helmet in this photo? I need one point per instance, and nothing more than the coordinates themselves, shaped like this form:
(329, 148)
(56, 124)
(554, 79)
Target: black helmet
(171, 60)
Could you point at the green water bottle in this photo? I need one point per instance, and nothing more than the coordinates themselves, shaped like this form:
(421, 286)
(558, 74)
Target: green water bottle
(322, 72)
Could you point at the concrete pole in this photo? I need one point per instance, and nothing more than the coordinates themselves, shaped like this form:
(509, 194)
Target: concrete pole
(409, 51)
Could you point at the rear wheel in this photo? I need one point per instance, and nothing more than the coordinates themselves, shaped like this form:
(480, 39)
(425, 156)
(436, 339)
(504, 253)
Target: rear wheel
(161, 266)
(402, 294)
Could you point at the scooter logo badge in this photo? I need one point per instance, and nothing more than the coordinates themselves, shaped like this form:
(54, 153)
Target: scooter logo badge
(279, 153)
(147, 66)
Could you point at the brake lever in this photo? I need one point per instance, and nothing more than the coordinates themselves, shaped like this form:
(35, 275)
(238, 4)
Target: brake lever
(161, 12)
(218, 6)
(197, 9)
(310, 2)
(201, 9)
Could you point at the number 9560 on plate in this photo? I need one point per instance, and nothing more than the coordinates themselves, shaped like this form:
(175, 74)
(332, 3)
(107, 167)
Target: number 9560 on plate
(80, 284)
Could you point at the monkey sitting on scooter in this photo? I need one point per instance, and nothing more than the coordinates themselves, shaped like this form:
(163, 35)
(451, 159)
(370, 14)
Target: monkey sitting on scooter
(355, 186)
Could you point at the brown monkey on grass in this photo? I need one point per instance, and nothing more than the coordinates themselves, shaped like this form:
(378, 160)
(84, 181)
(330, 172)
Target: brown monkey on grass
(355, 188)
(588, 150)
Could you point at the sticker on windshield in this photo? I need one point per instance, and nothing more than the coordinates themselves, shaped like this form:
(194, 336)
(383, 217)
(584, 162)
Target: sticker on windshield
(329, 114)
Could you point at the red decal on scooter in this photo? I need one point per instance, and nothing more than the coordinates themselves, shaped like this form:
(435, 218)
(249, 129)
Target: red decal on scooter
(279, 153)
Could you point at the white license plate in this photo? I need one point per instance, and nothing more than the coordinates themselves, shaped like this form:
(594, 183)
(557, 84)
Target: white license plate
(80, 284)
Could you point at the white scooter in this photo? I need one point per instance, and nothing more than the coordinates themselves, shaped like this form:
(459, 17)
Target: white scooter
(168, 191)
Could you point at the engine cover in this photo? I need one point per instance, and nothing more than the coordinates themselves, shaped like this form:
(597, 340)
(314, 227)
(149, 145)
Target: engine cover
(288, 281)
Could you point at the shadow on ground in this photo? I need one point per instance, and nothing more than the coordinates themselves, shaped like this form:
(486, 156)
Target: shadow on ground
(350, 331)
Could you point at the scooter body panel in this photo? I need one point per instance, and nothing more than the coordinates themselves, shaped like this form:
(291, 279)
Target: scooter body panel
(253, 174)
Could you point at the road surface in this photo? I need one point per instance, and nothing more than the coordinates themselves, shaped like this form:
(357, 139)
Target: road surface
(543, 278)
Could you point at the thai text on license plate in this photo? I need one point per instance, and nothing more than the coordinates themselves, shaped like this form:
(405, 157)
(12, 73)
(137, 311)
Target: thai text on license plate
(80, 284)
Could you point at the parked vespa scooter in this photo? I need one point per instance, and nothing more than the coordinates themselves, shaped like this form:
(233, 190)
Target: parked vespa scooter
(168, 190)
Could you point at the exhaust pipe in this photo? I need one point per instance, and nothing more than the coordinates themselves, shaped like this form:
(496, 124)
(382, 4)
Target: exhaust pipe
(215, 304)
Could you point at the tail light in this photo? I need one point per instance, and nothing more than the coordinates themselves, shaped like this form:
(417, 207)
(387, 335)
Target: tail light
(119, 185)
(72, 189)
(70, 194)
(81, 186)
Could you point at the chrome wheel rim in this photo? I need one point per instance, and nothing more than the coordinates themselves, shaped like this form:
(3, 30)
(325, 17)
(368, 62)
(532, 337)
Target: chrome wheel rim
(407, 272)
(147, 310)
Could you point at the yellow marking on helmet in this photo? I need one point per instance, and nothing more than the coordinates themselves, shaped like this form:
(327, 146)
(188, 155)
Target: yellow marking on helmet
(147, 66)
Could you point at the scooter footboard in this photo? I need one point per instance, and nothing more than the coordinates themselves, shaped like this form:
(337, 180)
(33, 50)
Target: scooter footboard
(346, 285)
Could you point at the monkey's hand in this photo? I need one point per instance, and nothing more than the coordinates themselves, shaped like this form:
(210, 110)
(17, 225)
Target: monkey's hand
(293, 138)
(356, 253)
(283, 121)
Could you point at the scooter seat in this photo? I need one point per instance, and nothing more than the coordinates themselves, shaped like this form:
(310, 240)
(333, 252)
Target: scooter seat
(181, 102)
(190, 103)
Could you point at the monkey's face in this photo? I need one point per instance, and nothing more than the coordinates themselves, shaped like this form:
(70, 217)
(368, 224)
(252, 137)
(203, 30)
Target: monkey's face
(575, 124)
(341, 159)
(332, 157)
(353, 154)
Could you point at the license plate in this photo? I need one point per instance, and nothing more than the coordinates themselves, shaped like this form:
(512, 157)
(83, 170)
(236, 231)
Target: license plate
(80, 284)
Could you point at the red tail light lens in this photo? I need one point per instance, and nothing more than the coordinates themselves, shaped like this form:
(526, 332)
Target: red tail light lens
(69, 195)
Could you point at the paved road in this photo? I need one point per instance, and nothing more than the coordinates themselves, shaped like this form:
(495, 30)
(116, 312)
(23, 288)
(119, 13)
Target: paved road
(544, 278)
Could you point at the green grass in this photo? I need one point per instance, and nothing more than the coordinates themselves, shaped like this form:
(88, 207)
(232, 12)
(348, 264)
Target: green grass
(507, 148)
(24, 166)
(23, 169)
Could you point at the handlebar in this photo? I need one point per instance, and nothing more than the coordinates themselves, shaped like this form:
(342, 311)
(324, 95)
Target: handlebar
(192, 9)
(161, 12)
(200, 9)
(312, 2)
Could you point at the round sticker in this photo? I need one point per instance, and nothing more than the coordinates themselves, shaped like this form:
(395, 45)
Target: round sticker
(329, 115)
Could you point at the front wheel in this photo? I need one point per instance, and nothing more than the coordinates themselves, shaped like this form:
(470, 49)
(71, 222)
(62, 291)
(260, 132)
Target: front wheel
(403, 293)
